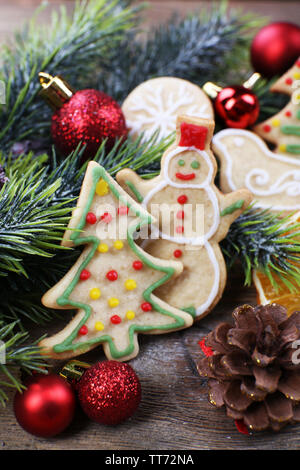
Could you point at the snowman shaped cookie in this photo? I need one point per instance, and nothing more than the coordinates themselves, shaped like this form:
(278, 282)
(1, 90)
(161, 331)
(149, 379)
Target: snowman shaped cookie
(194, 216)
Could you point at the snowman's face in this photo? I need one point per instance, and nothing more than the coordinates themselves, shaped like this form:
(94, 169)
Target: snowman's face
(189, 167)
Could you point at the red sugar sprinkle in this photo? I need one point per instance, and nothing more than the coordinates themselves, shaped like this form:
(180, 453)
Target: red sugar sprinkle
(177, 253)
(241, 427)
(91, 218)
(288, 81)
(112, 275)
(205, 349)
(288, 113)
(83, 330)
(182, 199)
(115, 319)
(146, 307)
(137, 265)
(266, 128)
(85, 274)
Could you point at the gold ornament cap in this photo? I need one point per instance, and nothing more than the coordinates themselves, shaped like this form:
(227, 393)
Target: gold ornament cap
(55, 90)
(73, 370)
(211, 89)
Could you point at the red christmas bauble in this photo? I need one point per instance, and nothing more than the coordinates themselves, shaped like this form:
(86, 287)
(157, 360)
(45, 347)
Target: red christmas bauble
(46, 407)
(109, 392)
(275, 48)
(89, 116)
(237, 106)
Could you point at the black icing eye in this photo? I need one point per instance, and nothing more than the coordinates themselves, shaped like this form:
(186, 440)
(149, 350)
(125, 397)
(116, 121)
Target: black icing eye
(195, 164)
(181, 162)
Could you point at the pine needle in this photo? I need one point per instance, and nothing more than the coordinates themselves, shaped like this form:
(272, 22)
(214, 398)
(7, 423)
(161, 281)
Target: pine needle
(259, 240)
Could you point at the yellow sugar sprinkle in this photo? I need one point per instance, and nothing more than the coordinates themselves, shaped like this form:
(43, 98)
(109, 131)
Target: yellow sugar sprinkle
(102, 187)
(282, 148)
(95, 293)
(275, 122)
(113, 302)
(99, 326)
(103, 248)
(130, 284)
(118, 245)
(130, 315)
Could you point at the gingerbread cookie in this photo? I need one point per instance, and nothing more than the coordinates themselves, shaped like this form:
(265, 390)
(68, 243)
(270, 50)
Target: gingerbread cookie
(246, 162)
(156, 103)
(112, 283)
(283, 129)
(194, 216)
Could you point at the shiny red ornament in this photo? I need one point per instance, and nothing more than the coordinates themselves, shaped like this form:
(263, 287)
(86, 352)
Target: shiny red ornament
(237, 106)
(89, 116)
(109, 392)
(46, 407)
(275, 48)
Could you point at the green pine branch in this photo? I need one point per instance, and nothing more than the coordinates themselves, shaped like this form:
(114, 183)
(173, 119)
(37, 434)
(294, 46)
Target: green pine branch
(16, 355)
(36, 202)
(26, 202)
(269, 103)
(69, 47)
(202, 47)
(260, 240)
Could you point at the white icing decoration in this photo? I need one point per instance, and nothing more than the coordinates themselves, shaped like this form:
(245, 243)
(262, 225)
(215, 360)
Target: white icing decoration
(195, 241)
(288, 183)
(215, 288)
(162, 113)
(262, 178)
(239, 142)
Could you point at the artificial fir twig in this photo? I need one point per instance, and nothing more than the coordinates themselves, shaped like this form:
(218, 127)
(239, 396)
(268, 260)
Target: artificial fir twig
(17, 356)
(69, 47)
(199, 48)
(36, 202)
(261, 240)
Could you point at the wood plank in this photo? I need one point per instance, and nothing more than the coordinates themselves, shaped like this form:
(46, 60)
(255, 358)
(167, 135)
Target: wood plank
(159, 12)
(174, 412)
(14, 14)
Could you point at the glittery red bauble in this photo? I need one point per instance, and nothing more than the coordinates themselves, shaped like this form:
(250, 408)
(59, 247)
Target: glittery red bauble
(109, 392)
(275, 48)
(89, 116)
(46, 407)
(237, 106)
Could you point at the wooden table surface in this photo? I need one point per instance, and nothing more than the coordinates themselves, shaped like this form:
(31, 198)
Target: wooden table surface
(174, 412)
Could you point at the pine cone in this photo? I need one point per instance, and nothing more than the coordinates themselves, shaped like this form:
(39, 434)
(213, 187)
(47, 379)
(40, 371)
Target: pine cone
(252, 370)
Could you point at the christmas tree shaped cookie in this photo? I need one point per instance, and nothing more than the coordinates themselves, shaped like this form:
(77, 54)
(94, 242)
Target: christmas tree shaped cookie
(194, 216)
(247, 162)
(283, 129)
(112, 283)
